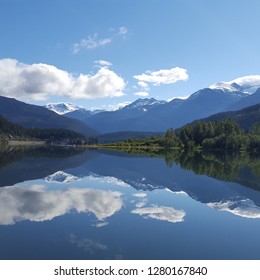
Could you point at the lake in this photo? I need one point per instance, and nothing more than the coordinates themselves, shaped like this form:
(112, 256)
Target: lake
(62, 203)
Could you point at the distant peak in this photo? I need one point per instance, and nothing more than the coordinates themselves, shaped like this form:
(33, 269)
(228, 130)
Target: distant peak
(62, 107)
(144, 103)
(245, 84)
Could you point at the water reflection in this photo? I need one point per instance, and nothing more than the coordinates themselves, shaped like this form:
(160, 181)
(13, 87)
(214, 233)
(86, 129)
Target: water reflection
(92, 204)
(243, 208)
(161, 213)
(222, 181)
(87, 244)
(37, 203)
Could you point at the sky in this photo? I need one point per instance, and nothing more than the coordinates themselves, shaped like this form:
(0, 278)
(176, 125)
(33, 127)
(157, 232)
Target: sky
(106, 53)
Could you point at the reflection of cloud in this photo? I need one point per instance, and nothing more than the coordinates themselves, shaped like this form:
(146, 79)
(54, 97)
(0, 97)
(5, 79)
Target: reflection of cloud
(60, 177)
(98, 225)
(87, 244)
(162, 213)
(36, 203)
(243, 208)
(143, 201)
(139, 195)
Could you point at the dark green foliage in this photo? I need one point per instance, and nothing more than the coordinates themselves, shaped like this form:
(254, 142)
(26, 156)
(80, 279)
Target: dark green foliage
(226, 134)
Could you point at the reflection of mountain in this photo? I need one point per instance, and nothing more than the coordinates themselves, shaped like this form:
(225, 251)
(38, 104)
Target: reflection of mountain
(36, 203)
(151, 173)
(36, 162)
(61, 177)
(224, 182)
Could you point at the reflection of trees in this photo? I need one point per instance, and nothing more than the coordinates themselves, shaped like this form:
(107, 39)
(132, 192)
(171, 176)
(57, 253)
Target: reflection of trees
(231, 166)
(10, 154)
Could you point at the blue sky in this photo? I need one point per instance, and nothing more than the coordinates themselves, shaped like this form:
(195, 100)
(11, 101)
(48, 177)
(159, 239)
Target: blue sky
(102, 53)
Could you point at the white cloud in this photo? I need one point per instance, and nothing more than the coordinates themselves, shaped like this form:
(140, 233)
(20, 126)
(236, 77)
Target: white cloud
(253, 80)
(36, 203)
(92, 42)
(162, 213)
(38, 81)
(247, 84)
(141, 93)
(143, 85)
(103, 63)
(167, 76)
(122, 31)
(112, 107)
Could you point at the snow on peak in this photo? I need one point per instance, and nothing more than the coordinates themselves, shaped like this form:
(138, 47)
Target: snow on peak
(60, 177)
(144, 103)
(246, 84)
(62, 107)
(225, 86)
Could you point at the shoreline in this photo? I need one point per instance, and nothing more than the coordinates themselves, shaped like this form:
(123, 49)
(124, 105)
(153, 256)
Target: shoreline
(26, 143)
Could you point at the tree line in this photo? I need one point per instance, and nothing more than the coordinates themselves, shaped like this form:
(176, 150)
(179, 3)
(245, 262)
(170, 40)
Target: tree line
(226, 134)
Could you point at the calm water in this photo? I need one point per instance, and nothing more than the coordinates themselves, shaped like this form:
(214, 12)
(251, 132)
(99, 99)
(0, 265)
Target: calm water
(72, 204)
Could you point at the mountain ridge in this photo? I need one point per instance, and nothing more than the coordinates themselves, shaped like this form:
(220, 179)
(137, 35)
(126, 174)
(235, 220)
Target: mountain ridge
(33, 116)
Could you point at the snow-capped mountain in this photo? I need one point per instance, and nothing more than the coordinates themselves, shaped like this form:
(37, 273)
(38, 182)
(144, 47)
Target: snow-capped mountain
(144, 104)
(60, 177)
(63, 107)
(246, 84)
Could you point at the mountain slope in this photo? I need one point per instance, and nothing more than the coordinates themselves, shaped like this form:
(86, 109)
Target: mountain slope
(246, 117)
(247, 101)
(32, 116)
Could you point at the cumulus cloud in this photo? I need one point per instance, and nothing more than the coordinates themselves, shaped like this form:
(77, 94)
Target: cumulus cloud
(38, 81)
(167, 76)
(161, 213)
(36, 203)
(92, 42)
(141, 93)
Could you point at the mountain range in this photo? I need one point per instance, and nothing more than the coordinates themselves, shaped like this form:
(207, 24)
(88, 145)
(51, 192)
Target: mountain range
(153, 115)
(143, 115)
